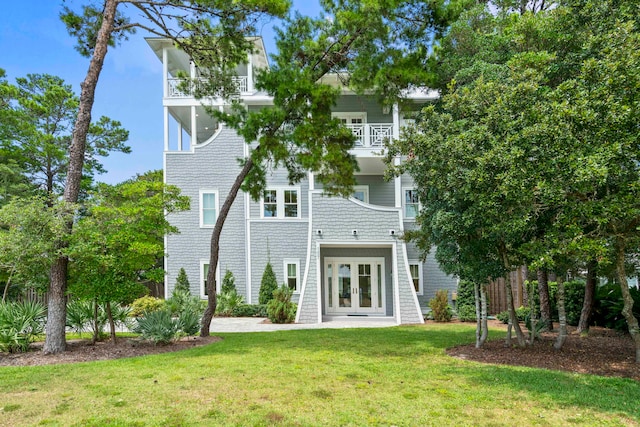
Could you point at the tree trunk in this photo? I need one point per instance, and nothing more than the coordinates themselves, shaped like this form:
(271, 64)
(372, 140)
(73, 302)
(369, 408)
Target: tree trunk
(481, 315)
(524, 273)
(545, 305)
(96, 331)
(533, 317)
(627, 310)
(513, 318)
(55, 340)
(112, 325)
(562, 317)
(589, 298)
(205, 328)
(55, 332)
(476, 297)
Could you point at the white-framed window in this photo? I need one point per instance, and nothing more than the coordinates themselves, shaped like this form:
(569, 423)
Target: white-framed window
(361, 192)
(292, 274)
(415, 268)
(204, 271)
(281, 202)
(351, 118)
(208, 207)
(410, 202)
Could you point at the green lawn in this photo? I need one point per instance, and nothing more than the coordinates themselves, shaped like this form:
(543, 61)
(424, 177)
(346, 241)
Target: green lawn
(387, 377)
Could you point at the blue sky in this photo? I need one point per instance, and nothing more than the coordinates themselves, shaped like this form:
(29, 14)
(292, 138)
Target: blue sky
(33, 40)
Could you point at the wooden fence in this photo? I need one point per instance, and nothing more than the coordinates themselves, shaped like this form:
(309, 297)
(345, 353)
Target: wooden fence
(497, 292)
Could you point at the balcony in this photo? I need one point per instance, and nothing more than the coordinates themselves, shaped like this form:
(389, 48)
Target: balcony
(371, 135)
(175, 86)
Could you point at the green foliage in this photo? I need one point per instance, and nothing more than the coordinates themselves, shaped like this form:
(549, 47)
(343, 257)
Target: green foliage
(503, 316)
(522, 313)
(182, 281)
(250, 310)
(573, 300)
(20, 323)
(228, 282)
(81, 316)
(182, 301)
(268, 285)
(466, 294)
(440, 309)
(146, 304)
(227, 302)
(158, 326)
(467, 313)
(609, 305)
(280, 309)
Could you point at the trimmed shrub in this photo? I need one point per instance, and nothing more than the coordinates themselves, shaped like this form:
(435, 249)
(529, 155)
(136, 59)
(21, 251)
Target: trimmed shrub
(467, 313)
(280, 309)
(573, 300)
(608, 307)
(466, 294)
(20, 323)
(268, 285)
(182, 281)
(250, 310)
(522, 313)
(146, 304)
(228, 283)
(440, 308)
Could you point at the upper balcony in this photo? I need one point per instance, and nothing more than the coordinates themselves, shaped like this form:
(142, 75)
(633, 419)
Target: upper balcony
(371, 135)
(176, 86)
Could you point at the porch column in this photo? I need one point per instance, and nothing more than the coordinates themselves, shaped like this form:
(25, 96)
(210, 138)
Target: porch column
(397, 181)
(250, 74)
(165, 114)
(194, 129)
(179, 136)
(165, 72)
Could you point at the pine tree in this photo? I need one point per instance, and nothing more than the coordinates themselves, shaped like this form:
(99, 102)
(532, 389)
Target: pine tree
(268, 284)
(228, 283)
(182, 282)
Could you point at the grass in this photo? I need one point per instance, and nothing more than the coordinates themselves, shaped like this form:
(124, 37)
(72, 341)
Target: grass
(375, 377)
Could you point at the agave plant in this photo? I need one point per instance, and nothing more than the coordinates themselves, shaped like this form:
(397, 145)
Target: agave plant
(20, 323)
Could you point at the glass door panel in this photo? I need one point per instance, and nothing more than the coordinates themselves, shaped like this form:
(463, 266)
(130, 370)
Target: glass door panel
(364, 285)
(344, 285)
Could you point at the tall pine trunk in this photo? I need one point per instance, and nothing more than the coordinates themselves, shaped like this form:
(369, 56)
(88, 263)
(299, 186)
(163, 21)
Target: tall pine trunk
(545, 305)
(205, 326)
(55, 340)
(589, 298)
(562, 317)
(627, 310)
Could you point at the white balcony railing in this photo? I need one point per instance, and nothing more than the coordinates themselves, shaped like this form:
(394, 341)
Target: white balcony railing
(371, 134)
(175, 86)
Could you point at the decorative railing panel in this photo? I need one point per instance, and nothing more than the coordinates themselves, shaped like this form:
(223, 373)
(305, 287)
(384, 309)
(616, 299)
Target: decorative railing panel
(371, 134)
(176, 86)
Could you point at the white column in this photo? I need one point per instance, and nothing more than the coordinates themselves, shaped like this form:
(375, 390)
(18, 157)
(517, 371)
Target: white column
(250, 74)
(165, 72)
(179, 136)
(194, 129)
(396, 134)
(166, 128)
(312, 181)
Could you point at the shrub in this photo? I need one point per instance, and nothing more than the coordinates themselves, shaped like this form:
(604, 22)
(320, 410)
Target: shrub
(609, 305)
(440, 308)
(158, 326)
(280, 309)
(228, 283)
(466, 294)
(503, 316)
(146, 304)
(81, 312)
(182, 281)
(226, 302)
(80, 315)
(182, 300)
(250, 310)
(467, 313)
(573, 300)
(268, 285)
(189, 321)
(522, 313)
(20, 323)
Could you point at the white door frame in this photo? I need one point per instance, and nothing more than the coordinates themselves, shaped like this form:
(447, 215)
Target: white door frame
(378, 292)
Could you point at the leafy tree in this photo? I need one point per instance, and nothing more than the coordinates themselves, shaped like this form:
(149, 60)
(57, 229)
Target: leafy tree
(268, 284)
(117, 244)
(212, 28)
(228, 282)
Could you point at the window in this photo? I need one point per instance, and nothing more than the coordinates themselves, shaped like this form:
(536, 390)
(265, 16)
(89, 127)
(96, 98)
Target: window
(281, 203)
(410, 203)
(292, 274)
(415, 268)
(204, 271)
(361, 192)
(208, 208)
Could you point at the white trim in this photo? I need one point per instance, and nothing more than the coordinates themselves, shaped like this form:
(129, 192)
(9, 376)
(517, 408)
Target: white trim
(202, 192)
(348, 115)
(419, 263)
(307, 263)
(374, 262)
(414, 294)
(361, 188)
(396, 282)
(285, 268)
(280, 203)
(203, 276)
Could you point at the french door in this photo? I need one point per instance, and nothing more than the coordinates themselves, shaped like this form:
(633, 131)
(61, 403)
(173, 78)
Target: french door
(354, 285)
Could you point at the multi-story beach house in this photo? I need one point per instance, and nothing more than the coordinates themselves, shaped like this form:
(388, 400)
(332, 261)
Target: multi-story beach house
(341, 256)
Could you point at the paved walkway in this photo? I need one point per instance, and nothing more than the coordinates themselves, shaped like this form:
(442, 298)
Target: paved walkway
(256, 324)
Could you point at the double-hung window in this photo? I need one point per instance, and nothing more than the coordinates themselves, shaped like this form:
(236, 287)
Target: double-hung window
(283, 202)
(410, 202)
(361, 192)
(204, 272)
(415, 268)
(208, 208)
(292, 274)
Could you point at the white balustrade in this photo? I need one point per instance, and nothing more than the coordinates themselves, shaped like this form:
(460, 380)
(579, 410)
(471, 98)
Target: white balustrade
(371, 134)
